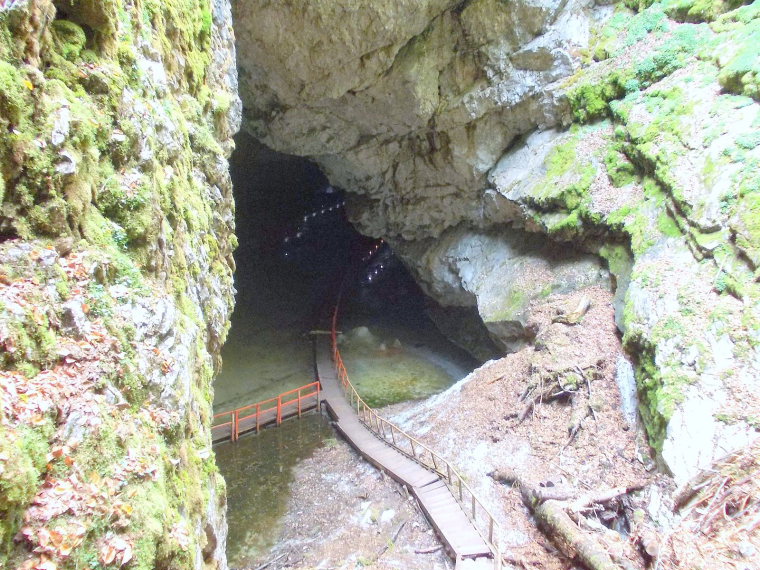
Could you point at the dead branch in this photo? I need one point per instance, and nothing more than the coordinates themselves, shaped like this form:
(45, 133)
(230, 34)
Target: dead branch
(576, 315)
(391, 541)
(540, 393)
(602, 497)
(429, 550)
(551, 515)
(272, 561)
(554, 517)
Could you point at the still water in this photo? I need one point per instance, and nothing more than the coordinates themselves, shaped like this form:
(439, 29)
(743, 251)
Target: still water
(259, 468)
(294, 241)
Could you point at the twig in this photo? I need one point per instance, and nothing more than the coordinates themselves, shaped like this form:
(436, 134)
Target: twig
(554, 518)
(391, 541)
(588, 385)
(705, 519)
(270, 562)
(429, 550)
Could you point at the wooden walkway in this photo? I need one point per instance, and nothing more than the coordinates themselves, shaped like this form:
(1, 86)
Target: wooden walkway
(464, 525)
(457, 532)
(254, 417)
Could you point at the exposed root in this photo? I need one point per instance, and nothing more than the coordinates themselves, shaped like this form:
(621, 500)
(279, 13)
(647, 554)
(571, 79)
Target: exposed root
(569, 387)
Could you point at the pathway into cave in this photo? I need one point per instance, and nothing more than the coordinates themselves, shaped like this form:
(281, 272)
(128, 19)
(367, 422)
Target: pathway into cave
(295, 242)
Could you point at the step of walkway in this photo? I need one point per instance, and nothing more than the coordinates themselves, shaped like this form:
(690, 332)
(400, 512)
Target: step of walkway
(474, 564)
(455, 530)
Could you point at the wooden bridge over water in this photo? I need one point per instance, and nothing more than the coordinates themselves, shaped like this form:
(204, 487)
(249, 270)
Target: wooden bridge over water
(464, 525)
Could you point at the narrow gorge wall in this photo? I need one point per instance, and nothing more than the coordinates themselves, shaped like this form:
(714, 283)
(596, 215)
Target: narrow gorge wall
(116, 239)
(508, 150)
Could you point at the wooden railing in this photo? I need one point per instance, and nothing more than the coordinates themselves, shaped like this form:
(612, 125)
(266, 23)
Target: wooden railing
(475, 510)
(274, 410)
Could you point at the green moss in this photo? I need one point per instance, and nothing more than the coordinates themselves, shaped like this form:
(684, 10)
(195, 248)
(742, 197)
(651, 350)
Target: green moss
(619, 168)
(589, 101)
(512, 308)
(618, 258)
(25, 452)
(726, 283)
(568, 177)
(649, 20)
(667, 225)
(14, 96)
(88, 63)
(568, 226)
(699, 10)
(591, 96)
(69, 38)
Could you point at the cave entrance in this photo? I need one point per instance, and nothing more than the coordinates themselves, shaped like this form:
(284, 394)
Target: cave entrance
(295, 243)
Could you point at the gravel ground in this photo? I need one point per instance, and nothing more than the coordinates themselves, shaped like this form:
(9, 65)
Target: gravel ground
(344, 513)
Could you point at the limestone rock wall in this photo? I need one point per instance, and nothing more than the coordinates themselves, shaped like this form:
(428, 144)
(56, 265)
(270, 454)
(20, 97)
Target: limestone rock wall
(407, 103)
(116, 240)
(474, 135)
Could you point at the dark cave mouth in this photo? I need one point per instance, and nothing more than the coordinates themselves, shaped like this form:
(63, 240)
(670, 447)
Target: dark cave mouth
(293, 225)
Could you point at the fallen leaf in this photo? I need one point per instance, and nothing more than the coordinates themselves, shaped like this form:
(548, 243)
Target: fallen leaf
(126, 555)
(107, 554)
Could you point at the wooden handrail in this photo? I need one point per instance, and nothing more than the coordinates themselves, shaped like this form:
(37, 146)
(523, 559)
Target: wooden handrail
(419, 452)
(281, 403)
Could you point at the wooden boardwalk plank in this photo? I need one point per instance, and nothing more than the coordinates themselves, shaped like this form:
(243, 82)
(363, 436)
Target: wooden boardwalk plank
(266, 419)
(445, 514)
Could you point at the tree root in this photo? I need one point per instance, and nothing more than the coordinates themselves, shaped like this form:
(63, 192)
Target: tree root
(562, 387)
(554, 510)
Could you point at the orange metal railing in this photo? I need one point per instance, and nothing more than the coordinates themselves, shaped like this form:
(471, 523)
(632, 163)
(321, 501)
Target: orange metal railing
(475, 510)
(274, 410)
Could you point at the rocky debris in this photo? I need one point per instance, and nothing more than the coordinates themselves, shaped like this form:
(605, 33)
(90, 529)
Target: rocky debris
(87, 394)
(73, 320)
(344, 511)
(484, 425)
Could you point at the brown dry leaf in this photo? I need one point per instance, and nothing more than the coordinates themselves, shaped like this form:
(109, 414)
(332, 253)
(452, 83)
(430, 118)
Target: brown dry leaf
(44, 537)
(126, 554)
(107, 554)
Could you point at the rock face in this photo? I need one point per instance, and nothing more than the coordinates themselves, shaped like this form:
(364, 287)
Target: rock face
(473, 135)
(116, 225)
(499, 273)
(409, 103)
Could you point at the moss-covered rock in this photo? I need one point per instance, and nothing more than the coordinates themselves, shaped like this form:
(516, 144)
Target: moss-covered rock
(665, 188)
(114, 185)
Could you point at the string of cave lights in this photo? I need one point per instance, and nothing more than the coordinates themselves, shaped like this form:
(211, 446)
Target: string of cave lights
(373, 271)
